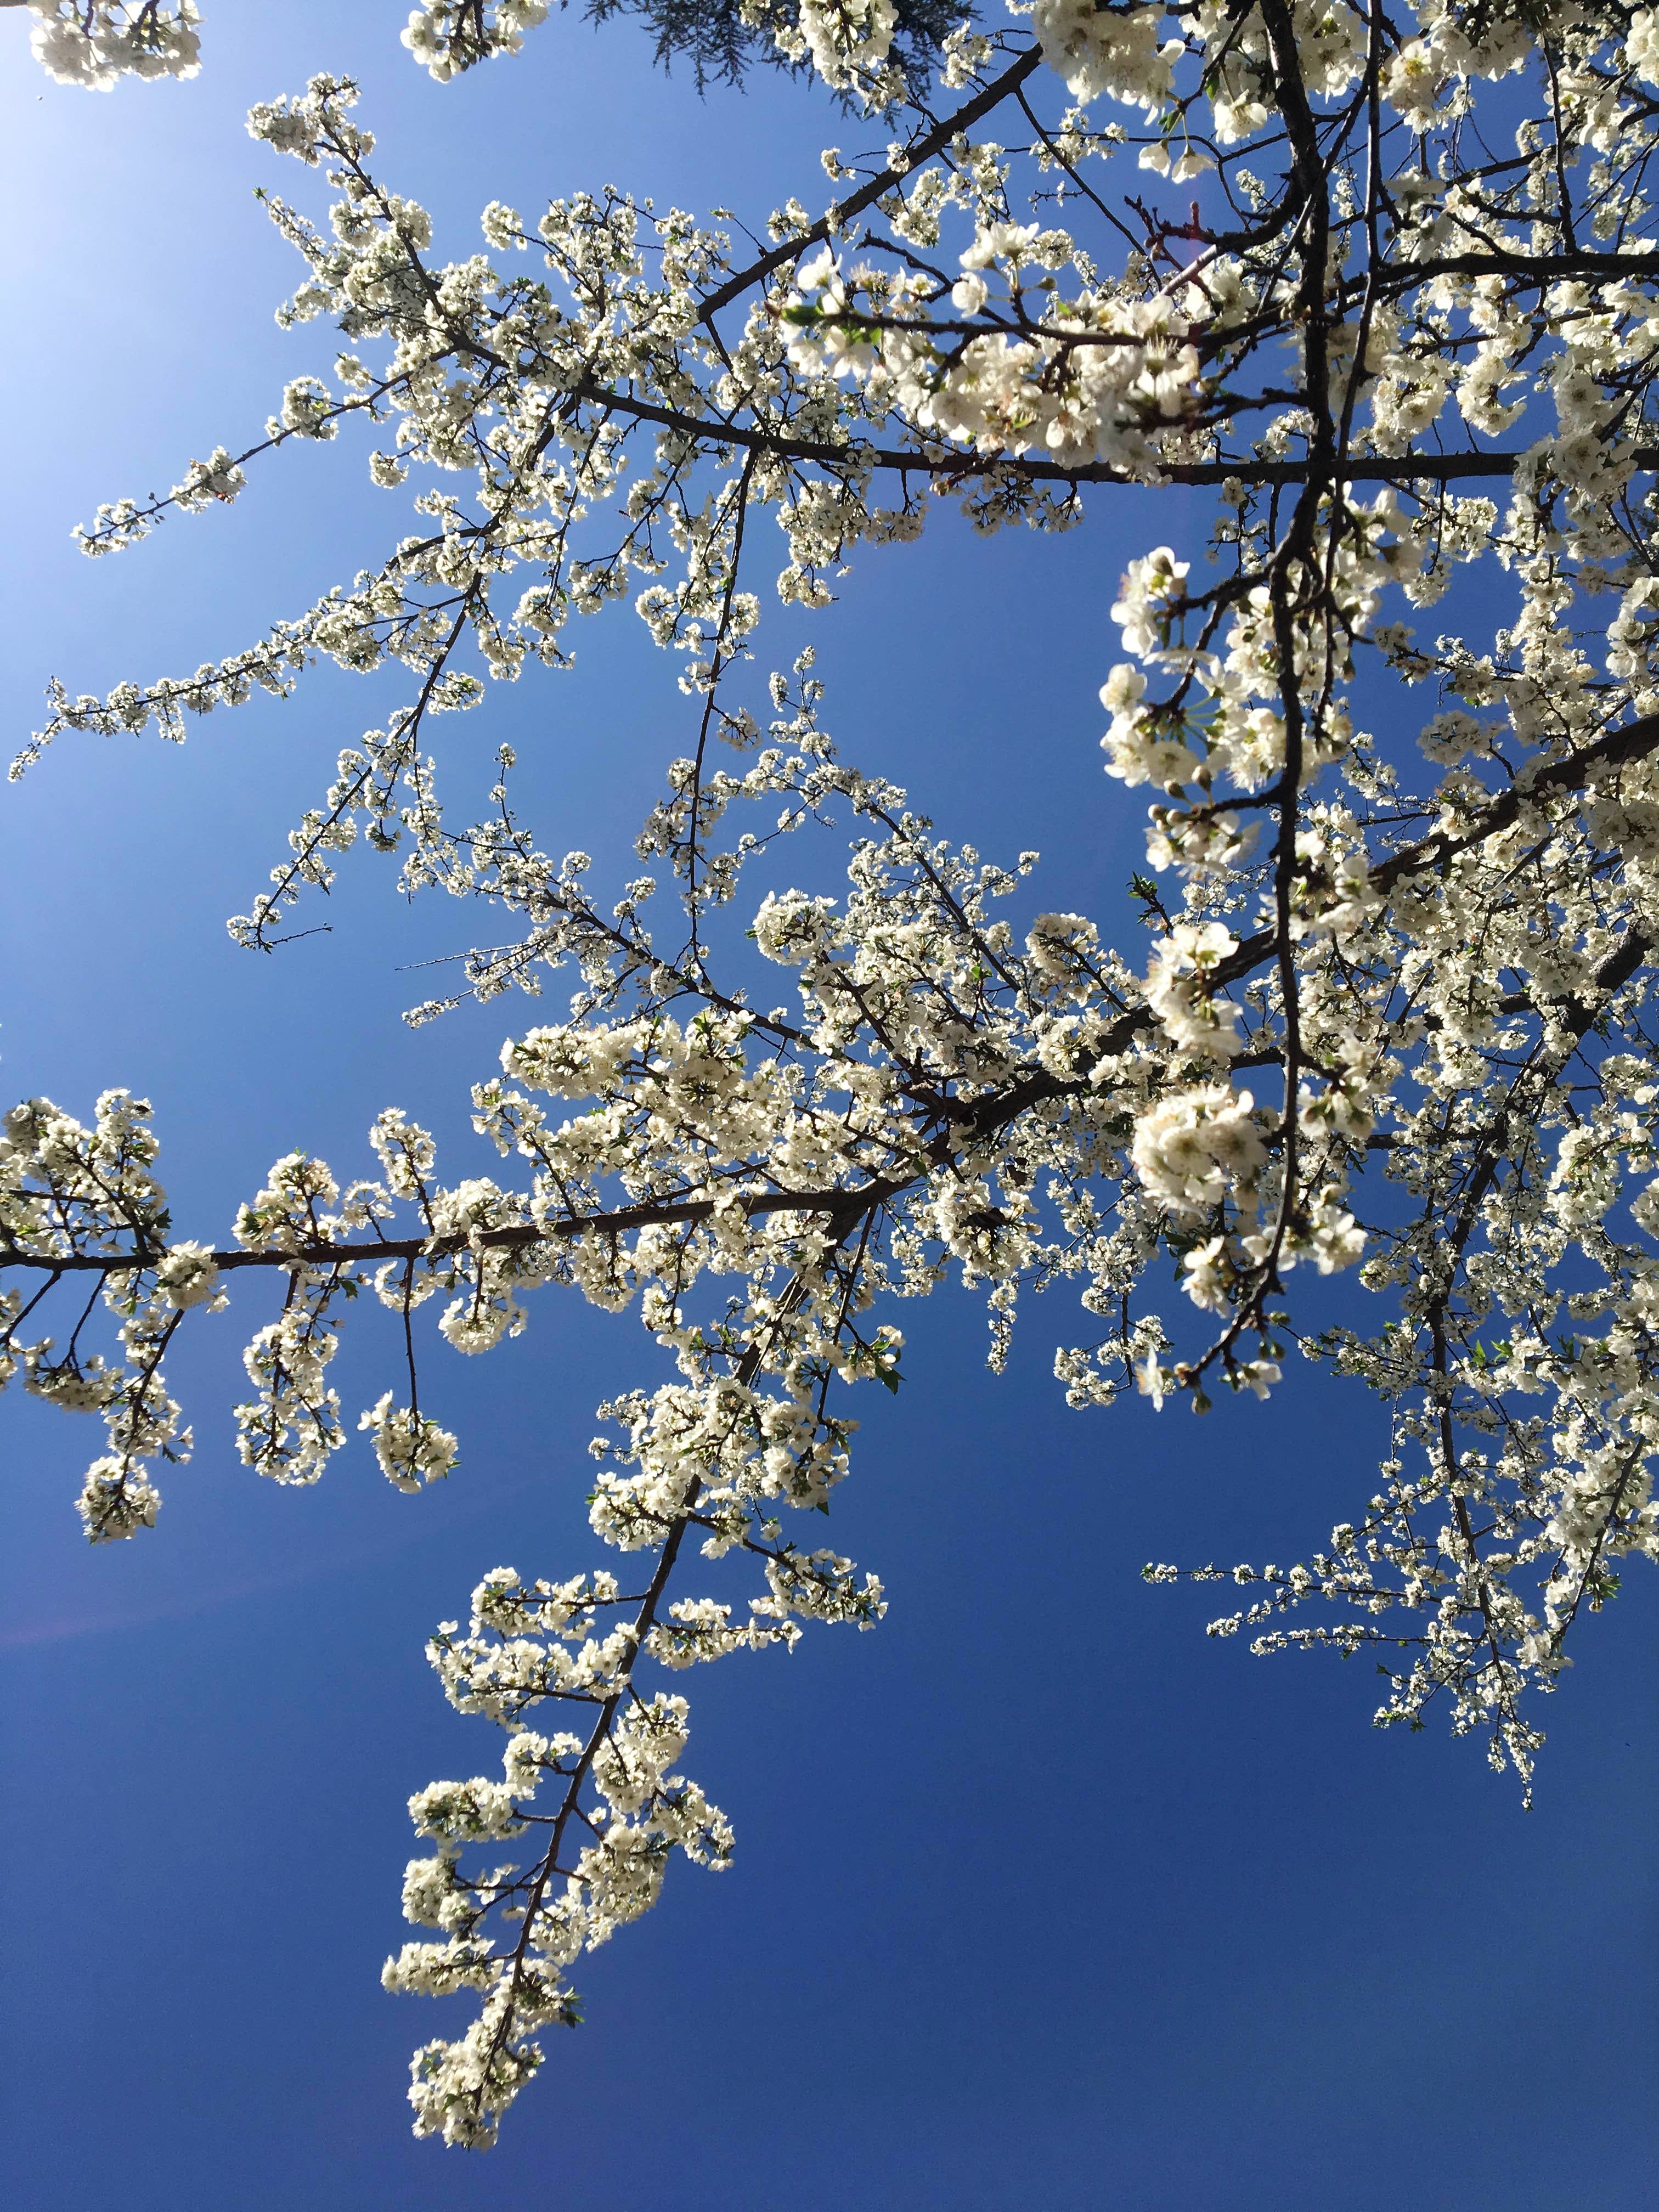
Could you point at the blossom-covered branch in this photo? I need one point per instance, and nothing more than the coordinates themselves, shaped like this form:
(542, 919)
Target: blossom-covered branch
(1326, 287)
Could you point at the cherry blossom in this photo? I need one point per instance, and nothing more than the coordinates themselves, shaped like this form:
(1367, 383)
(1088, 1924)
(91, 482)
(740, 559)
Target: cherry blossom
(1388, 1014)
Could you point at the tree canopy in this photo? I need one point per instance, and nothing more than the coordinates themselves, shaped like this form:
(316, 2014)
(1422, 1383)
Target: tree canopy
(1385, 285)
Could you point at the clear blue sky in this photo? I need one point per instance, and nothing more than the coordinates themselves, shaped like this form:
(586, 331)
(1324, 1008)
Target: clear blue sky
(1039, 1896)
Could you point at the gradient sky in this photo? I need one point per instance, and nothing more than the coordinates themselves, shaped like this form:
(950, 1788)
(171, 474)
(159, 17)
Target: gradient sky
(1040, 1898)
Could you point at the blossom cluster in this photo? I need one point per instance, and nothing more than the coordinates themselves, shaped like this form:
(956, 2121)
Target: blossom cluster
(94, 43)
(446, 36)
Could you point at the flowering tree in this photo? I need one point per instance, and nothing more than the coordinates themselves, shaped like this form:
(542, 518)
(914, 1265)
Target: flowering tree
(1394, 1016)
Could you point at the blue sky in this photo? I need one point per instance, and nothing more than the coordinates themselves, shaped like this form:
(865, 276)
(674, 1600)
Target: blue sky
(1039, 1896)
